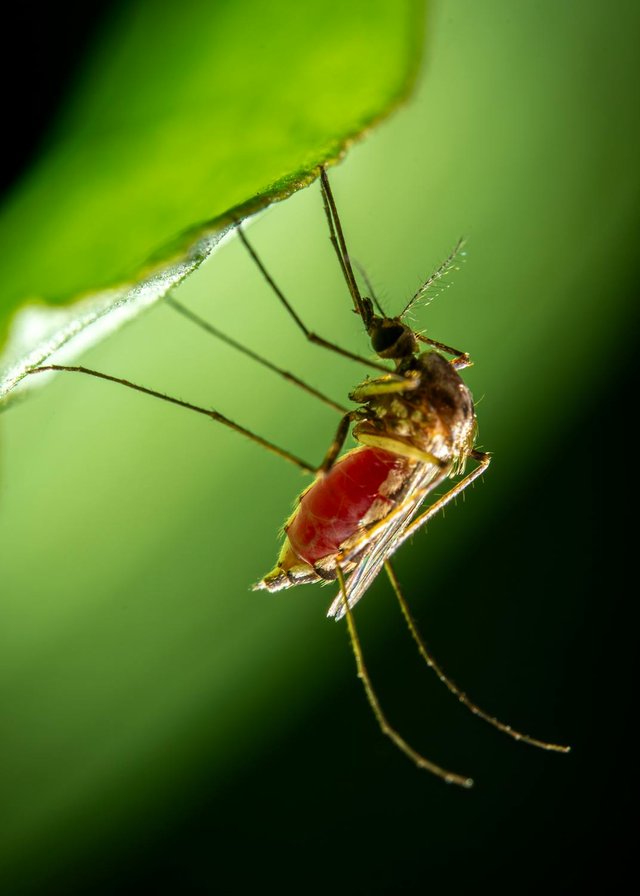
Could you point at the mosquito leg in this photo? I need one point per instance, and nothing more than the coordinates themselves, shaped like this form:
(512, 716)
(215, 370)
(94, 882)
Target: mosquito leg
(290, 377)
(374, 703)
(351, 284)
(383, 385)
(407, 507)
(338, 441)
(213, 415)
(312, 337)
(455, 690)
(336, 236)
(484, 460)
(461, 359)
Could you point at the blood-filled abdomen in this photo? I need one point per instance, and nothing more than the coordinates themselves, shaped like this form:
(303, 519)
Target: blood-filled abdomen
(357, 490)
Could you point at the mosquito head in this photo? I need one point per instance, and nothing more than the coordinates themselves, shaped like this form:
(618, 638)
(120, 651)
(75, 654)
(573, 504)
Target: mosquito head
(390, 338)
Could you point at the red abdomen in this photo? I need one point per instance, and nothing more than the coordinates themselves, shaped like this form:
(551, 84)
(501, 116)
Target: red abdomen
(334, 508)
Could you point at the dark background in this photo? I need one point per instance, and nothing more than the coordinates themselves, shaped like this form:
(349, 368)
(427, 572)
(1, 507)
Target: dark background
(333, 808)
(45, 45)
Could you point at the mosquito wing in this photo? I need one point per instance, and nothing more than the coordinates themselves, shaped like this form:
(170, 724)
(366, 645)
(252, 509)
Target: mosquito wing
(385, 543)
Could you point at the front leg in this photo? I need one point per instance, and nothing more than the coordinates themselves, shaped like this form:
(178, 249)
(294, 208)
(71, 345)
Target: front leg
(460, 360)
(390, 384)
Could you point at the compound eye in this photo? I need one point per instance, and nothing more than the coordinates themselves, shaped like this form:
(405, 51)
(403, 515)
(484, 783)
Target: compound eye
(385, 338)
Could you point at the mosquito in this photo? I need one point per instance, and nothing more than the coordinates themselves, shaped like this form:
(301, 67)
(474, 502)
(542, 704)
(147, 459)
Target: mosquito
(415, 427)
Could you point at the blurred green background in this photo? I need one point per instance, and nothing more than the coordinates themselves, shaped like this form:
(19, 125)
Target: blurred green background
(166, 728)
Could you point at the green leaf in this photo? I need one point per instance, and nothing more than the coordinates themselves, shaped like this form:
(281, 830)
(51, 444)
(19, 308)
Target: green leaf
(187, 117)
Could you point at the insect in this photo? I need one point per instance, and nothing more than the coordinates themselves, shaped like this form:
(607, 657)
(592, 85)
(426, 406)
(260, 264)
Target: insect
(415, 426)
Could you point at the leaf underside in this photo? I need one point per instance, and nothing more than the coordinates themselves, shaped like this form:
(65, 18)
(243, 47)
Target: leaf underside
(185, 119)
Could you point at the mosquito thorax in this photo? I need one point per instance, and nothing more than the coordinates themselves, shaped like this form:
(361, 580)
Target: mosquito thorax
(449, 396)
(435, 416)
(445, 388)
